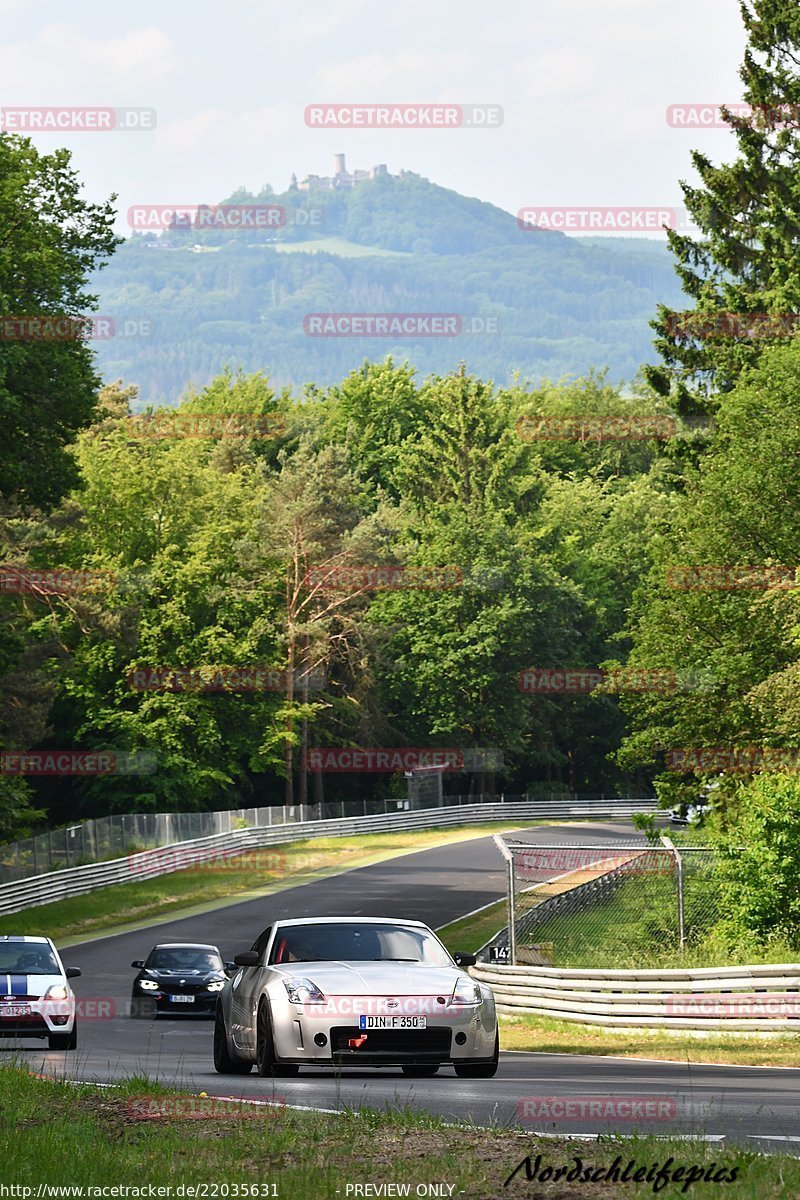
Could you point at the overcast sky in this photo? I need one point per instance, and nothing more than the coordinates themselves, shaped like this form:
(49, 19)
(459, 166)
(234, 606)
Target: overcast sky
(584, 85)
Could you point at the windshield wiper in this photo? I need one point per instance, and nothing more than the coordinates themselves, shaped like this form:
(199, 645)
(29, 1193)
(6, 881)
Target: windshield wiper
(397, 960)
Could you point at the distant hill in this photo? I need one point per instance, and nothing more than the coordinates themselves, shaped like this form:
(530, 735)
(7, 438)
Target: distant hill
(194, 301)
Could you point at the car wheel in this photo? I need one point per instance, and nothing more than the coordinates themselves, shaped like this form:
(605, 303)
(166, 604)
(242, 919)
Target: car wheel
(470, 1069)
(64, 1041)
(224, 1064)
(421, 1072)
(265, 1047)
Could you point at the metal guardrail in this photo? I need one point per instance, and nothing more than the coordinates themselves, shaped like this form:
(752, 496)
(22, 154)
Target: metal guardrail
(759, 998)
(77, 881)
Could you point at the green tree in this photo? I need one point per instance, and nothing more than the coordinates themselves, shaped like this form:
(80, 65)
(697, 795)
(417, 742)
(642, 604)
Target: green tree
(51, 240)
(748, 216)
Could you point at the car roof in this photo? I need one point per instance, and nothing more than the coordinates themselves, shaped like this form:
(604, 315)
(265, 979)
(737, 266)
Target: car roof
(24, 937)
(184, 946)
(351, 921)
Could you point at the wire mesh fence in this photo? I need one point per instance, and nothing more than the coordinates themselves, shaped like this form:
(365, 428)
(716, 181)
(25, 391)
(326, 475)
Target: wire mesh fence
(623, 903)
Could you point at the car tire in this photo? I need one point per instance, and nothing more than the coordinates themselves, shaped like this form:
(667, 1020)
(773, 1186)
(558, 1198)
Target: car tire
(422, 1071)
(64, 1041)
(224, 1064)
(477, 1069)
(266, 1063)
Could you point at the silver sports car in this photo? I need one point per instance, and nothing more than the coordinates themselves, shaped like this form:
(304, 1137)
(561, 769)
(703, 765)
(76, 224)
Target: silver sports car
(354, 992)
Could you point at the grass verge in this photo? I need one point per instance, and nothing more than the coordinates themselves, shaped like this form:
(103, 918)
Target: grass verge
(267, 870)
(51, 1132)
(546, 1036)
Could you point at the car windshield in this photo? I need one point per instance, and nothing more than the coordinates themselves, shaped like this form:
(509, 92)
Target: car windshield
(26, 958)
(184, 958)
(354, 942)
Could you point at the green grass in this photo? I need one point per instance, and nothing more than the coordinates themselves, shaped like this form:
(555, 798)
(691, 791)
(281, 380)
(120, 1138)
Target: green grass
(547, 1036)
(55, 1134)
(472, 932)
(203, 887)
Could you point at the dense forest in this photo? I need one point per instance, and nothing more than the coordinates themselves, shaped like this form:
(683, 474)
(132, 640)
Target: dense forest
(193, 301)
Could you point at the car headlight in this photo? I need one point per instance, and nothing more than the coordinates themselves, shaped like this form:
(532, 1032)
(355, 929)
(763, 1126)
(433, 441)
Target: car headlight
(467, 993)
(217, 985)
(302, 990)
(148, 985)
(56, 992)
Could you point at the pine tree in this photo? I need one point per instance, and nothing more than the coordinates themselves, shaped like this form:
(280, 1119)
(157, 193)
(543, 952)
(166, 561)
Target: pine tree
(745, 259)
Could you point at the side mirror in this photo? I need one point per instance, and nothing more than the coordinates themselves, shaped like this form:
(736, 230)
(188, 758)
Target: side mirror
(73, 972)
(138, 963)
(230, 966)
(249, 958)
(464, 960)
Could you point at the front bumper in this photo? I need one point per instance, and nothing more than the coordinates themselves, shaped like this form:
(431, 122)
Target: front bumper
(160, 1004)
(447, 1038)
(44, 1017)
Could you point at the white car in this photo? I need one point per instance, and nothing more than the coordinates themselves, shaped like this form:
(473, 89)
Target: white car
(354, 992)
(36, 1000)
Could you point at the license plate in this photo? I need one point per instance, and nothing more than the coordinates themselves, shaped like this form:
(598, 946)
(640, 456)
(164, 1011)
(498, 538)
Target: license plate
(182, 999)
(15, 1010)
(365, 1022)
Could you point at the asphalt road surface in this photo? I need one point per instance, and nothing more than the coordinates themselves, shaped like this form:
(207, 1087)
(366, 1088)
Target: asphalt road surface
(756, 1107)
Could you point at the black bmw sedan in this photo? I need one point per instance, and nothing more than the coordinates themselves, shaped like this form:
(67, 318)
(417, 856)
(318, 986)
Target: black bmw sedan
(178, 979)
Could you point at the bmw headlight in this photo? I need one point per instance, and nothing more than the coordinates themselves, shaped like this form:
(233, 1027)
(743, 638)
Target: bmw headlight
(217, 985)
(56, 992)
(467, 993)
(303, 991)
(148, 985)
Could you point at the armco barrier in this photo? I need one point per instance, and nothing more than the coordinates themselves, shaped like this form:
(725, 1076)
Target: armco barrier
(76, 881)
(762, 998)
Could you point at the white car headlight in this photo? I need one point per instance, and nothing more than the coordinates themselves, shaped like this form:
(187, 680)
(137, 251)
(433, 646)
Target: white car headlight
(57, 992)
(148, 985)
(217, 985)
(467, 993)
(302, 991)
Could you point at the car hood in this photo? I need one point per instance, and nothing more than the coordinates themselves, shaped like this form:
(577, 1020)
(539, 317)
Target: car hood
(375, 978)
(189, 976)
(18, 984)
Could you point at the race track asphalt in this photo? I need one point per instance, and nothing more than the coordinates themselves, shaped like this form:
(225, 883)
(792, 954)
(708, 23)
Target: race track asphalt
(757, 1107)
